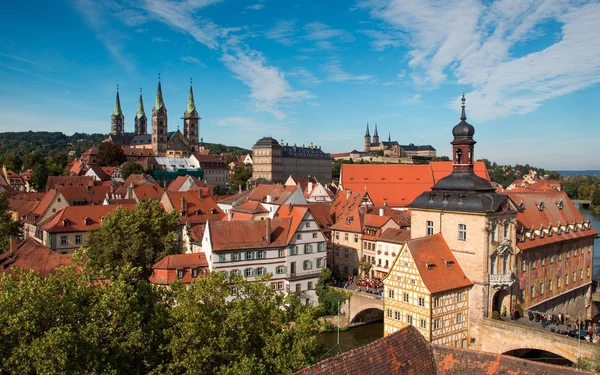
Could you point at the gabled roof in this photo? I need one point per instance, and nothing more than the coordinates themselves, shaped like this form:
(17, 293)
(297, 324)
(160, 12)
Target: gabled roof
(80, 218)
(99, 172)
(33, 256)
(251, 207)
(54, 182)
(320, 212)
(279, 193)
(393, 235)
(375, 221)
(165, 270)
(297, 214)
(44, 203)
(241, 235)
(197, 210)
(398, 184)
(146, 192)
(345, 210)
(439, 269)
(136, 179)
(178, 182)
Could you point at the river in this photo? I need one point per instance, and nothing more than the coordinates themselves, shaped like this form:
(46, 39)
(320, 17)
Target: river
(367, 333)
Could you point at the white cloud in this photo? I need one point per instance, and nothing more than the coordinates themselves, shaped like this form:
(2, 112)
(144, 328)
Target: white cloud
(269, 90)
(478, 45)
(192, 60)
(255, 7)
(382, 40)
(320, 31)
(304, 75)
(335, 73)
(283, 33)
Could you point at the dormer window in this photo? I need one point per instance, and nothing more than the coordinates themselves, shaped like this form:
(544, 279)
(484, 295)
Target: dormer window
(348, 221)
(449, 263)
(541, 206)
(429, 266)
(532, 235)
(88, 221)
(559, 229)
(575, 227)
(521, 206)
(567, 228)
(180, 274)
(66, 222)
(550, 231)
(561, 205)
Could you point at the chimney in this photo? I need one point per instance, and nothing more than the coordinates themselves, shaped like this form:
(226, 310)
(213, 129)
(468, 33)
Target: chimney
(164, 184)
(239, 188)
(130, 191)
(381, 212)
(269, 198)
(268, 225)
(347, 194)
(229, 215)
(310, 185)
(183, 206)
(14, 242)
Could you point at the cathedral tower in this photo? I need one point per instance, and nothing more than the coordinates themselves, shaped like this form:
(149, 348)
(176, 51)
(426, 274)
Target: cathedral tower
(141, 122)
(375, 135)
(117, 120)
(367, 139)
(191, 126)
(463, 143)
(159, 124)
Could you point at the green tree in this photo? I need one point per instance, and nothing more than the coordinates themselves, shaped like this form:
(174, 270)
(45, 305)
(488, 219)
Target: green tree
(239, 176)
(39, 177)
(329, 299)
(259, 331)
(110, 155)
(13, 162)
(8, 227)
(130, 168)
(140, 236)
(68, 324)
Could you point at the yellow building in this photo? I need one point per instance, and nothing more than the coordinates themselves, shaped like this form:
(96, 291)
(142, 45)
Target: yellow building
(427, 288)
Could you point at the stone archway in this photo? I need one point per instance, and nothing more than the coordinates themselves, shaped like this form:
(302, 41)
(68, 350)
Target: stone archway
(500, 298)
(539, 355)
(368, 315)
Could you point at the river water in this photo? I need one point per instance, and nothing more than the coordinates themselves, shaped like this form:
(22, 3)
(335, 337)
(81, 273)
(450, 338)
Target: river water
(367, 333)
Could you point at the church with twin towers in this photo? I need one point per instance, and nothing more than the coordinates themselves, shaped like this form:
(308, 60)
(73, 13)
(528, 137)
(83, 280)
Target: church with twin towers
(163, 142)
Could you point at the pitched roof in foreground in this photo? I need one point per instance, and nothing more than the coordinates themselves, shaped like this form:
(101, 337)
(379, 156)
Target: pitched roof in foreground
(165, 270)
(33, 256)
(406, 352)
(239, 235)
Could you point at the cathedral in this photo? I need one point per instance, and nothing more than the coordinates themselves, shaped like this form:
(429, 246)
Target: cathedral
(393, 148)
(161, 141)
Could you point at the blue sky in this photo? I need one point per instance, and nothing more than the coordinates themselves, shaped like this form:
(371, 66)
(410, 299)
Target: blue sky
(316, 71)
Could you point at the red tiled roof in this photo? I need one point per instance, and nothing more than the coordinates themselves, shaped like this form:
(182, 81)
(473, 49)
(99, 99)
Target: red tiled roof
(73, 218)
(165, 270)
(320, 213)
(238, 235)
(44, 203)
(132, 151)
(146, 192)
(100, 172)
(279, 193)
(58, 181)
(398, 184)
(33, 256)
(297, 214)
(251, 207)
(197, 210)
(393, 235)
(436, 263)
(345, 211)
(177, 183)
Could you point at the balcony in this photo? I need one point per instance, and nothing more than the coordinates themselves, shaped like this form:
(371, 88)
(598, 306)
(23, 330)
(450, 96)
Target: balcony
(502, 281)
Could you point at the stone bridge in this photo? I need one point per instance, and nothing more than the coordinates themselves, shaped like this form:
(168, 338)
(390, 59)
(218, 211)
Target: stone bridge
(504, 337)
(497, 336)
(362, 307)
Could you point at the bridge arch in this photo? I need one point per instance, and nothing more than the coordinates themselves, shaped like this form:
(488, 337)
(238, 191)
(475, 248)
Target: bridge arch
(367, 315)
(539, 355)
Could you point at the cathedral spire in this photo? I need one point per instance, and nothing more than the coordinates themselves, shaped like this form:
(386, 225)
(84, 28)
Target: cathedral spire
(140, 111)
(375, 134)
(390, 137)
(367, 134)
(159, 98)
(191, 106)
(117, 110)
(463, 115)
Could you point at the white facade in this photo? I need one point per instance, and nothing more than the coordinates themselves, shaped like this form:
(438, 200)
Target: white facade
(385, 254)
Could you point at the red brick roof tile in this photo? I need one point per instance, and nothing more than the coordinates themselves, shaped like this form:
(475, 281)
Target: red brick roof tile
(238, 235)
(165, 270)
(33, 256)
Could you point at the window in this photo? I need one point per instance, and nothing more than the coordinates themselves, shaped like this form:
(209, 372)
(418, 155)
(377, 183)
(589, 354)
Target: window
(493, 266)
(280, 253)
(233, 290)
(78, 239)
(588, 272)
(423, 323)
(307, 265)
(462, 232)
(194, 272)
(308, 225)
(549, 285)
(236, 256)
(248, 272)
(459, 295)
(298, 287)
(552, 256)
(543, 260)
(409, 319)
(541, 288)
(506, 230)
(346, 254)
(566, 280)
(280, 270)
(430, 228)
(523, 264)
(421, 301)
(494, 229)
(260, 271)
(356, 238)
(532, 292)
(405, 297)
(315, 235)
(389, 313)
(581, 274)
(63, 240)
(310, 285)
(436, 324)
(391, 293)
(299, 236)
(574, 278)
(345, 236)
(261, 254)
(248, 255)
(459, 318)
(180, 274)
(320, 262)
(532, 261)
(387, 262)
(293, 250)
(397, 315)
(436, 302)
(337, 235)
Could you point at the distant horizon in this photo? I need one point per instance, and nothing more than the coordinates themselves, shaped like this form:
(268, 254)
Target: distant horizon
(316, 71)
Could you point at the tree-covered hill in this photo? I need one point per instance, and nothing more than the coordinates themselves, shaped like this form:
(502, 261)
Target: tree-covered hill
(507, 174)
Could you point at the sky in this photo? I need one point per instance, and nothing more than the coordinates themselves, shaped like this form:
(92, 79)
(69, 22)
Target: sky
(316, 71)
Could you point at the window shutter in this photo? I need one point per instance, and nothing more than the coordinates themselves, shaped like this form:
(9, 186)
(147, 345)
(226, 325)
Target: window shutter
(255, 254)
(231, 257)
(285, 269)
(254, 271)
